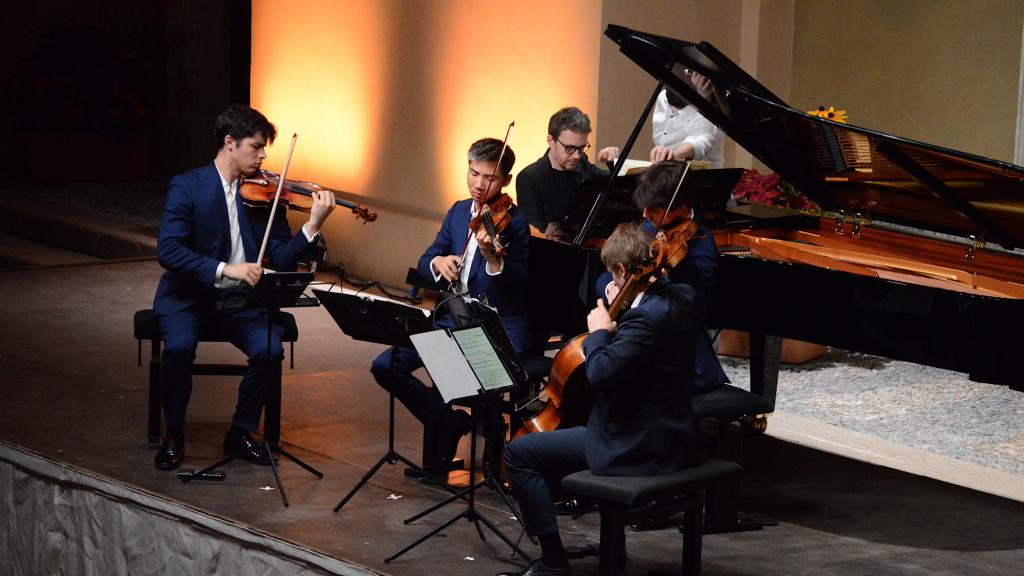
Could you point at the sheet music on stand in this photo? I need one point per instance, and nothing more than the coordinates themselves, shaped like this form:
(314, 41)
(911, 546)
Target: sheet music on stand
(281, 290)
(462, 362)
(371, 318)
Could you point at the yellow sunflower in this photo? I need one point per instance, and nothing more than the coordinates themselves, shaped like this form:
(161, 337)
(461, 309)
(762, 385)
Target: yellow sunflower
(829, 113)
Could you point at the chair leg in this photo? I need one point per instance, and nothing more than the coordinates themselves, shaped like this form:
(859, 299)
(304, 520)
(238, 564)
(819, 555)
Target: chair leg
(613, 539)
(155, 397)
(693, 528)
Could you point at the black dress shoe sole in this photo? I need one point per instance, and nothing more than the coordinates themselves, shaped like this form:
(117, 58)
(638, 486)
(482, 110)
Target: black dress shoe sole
(251, 460)
(167, 466)
(166, 462)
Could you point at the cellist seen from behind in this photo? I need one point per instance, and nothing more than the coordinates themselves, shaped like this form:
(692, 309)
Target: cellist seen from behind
(641, 369)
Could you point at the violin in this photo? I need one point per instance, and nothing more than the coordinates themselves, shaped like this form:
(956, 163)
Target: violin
(494, 216)
(570, 398)
(259, 192)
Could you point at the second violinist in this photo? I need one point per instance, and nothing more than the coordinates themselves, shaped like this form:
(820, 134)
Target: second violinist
(469, 258)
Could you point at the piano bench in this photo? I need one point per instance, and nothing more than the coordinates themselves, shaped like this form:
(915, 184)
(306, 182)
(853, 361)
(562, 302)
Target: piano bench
(623, 500)
(726, 405)
(146, 328)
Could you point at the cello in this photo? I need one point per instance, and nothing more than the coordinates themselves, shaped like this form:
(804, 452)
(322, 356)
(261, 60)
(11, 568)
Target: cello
(569, 395)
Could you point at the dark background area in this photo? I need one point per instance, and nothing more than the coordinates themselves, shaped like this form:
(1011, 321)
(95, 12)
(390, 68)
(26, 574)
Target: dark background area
(117, 91)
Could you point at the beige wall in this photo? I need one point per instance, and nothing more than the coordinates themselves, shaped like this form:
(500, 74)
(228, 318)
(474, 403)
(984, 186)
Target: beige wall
(624, 88)
(940, 71)
(387, 102)
(756, 34)
(387, 96)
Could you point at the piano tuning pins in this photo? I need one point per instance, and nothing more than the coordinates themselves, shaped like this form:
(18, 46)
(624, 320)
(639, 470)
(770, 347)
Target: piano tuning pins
(856, 218)
(976, 243)
(840, 221)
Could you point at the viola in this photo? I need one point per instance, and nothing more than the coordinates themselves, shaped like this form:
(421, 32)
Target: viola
(493, 217)
(260, 191)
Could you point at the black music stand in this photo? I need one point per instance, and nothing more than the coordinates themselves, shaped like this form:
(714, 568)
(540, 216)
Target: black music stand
(487, 377)
(274, 291)
(384, 322)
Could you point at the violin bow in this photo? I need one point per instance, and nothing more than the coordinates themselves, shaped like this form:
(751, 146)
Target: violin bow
(672, 201)
(277, 197)
(501, 156)
(454, 285)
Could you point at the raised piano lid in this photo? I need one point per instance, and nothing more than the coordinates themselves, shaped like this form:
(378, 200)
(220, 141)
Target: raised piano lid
(841, 167)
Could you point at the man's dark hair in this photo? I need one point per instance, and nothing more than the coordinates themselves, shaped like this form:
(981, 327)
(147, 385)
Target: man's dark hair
(571, 118)
(628, 245)
(488, 150)
(658, 183)
(240, 122)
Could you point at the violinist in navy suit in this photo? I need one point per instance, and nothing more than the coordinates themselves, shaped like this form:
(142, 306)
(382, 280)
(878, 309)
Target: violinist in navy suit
(208, 246)
(698, 269)
(467, 259)
(641, 371)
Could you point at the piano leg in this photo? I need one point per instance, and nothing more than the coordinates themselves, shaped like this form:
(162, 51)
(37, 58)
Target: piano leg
(765, 351)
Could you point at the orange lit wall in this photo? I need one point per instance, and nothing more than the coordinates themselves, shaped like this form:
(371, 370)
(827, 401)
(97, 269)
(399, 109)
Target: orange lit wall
(386, 97)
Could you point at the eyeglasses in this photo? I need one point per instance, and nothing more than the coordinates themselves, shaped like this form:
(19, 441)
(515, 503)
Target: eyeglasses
(570, 150)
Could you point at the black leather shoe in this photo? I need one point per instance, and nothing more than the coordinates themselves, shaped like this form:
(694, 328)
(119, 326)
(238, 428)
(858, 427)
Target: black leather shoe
(577, 552)
(537, 568)
(237, 442)
(172, 451)
(652, 524)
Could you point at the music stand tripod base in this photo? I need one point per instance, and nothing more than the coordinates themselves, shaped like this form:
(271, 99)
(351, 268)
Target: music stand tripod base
(471, 514)
(211, 473)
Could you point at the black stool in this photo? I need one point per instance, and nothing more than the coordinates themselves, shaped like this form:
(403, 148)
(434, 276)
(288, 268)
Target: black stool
(623, 500)
(146, 328)
(728, 405)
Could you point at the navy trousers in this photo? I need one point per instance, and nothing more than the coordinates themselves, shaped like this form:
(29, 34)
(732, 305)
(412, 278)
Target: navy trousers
(393, 371)
(247, 331)
(536, 464)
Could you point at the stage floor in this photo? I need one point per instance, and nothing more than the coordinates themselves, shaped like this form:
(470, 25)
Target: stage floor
(72, 391)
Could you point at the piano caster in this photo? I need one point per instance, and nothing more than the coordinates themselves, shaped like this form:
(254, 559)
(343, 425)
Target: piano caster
(757, 423)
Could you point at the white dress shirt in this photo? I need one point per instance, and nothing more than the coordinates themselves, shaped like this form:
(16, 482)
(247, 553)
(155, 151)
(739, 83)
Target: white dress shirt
(675, 126)
(471, 248)
(237, 250)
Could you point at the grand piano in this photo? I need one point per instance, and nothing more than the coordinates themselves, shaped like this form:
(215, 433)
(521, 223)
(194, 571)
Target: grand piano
(914, 255)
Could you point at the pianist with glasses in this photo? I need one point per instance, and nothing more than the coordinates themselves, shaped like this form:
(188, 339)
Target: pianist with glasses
(547, 188)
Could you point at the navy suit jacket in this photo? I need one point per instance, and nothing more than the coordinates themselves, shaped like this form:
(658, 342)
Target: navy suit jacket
(699, 269)
(194, 239)
(507, 291)
(642, 422)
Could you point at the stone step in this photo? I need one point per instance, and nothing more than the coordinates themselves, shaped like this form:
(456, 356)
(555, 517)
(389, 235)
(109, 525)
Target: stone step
(101, 237)
(17, 252)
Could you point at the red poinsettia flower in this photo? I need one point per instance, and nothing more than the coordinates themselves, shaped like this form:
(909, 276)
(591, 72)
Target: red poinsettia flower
(770, 189)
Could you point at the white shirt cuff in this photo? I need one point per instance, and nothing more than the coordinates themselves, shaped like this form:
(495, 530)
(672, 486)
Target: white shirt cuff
(218, 278)
(305, 232)
(501, 268)
(433, 269)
